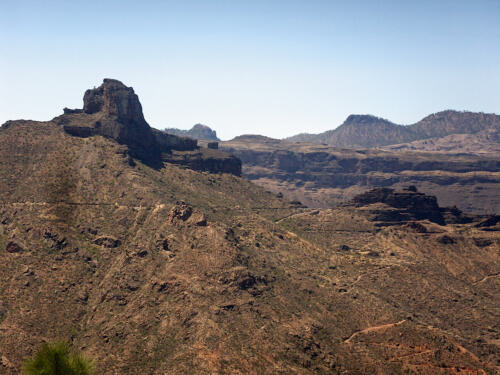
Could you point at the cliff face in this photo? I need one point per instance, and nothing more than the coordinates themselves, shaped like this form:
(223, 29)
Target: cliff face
(322, 176)
(114, 111)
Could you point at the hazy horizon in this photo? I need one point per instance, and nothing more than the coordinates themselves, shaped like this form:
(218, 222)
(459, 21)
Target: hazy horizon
(276, 68)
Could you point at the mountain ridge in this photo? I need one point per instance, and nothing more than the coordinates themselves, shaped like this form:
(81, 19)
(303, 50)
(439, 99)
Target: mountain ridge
(167, 269)
(372, 131)
(114, 111)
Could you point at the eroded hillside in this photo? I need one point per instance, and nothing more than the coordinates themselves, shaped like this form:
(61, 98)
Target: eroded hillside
(153, 269)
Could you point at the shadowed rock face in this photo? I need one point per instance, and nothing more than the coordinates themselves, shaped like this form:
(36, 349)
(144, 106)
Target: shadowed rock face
(414, 204)
(406, 205)
(113, 110)
(114, 99)
(120, 114)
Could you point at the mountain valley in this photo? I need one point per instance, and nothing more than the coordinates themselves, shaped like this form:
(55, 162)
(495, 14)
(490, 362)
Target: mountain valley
(153, 255)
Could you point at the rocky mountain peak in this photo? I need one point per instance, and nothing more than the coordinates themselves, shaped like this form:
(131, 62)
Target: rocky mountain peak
(114, 111)
(364, 120)
(198, 131)
(113, 98)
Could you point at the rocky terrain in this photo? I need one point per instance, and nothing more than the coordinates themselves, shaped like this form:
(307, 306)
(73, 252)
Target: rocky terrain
(484, 142)
(362, 131)
(113, 110)
(150, 266)
(323, 176)
(198, 131)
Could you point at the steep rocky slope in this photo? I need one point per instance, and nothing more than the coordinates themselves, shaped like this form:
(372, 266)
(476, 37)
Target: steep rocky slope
(155, 269)
(371, 131)
(113, 110)
(198, 131)
(322, 176)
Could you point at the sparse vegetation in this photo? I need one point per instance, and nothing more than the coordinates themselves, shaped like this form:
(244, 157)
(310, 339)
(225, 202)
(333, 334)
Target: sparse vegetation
(57, 359)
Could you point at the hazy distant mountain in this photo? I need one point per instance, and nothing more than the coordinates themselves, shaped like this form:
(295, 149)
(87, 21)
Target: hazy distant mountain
(371, 131)
(198, 131)
(483, 142)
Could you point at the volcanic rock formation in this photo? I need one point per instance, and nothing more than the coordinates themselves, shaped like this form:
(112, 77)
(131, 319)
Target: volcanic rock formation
(113, 110)
(399, 206)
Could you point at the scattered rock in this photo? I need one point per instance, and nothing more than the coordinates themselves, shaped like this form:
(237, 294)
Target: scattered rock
(181, 211)
(56, 241)
(141, 253)
(416, 226)
(6, 363)
(107, 241)
(27, 271)
(446, 240)
(482, 242)
(82, 296)
(410, 203)
(13, 247)
(198, 219)
(164, 244)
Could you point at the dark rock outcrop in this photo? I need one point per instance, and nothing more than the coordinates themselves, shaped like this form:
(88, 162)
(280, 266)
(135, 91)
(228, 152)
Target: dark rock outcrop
(409, 205)
(412, 203)
(13, 247)
(323, 176)
(107, 241)
(113, 110)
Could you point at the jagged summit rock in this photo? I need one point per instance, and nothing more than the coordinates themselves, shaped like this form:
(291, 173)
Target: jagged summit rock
(113, 98)
(198, 131)
(113, 110)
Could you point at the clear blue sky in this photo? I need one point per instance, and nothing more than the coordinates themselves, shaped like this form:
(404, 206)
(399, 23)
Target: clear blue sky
(265, 67)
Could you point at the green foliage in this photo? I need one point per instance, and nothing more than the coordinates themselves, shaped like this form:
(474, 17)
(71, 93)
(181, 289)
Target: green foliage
(57, 359)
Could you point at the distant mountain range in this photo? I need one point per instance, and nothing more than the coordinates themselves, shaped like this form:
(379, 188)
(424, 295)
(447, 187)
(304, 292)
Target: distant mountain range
(371, 131)
(198, 131)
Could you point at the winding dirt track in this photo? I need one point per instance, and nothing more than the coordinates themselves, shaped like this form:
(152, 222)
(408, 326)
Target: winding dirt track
(372, 329)
(487, 277)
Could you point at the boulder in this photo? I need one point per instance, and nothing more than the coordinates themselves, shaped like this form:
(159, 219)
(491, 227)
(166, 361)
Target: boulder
(107, 241)
(13, 247)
